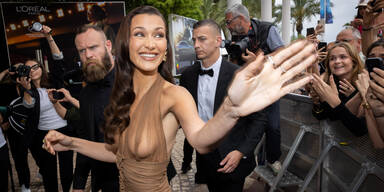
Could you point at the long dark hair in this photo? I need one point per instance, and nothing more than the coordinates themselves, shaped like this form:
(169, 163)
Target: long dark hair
(377, 43)
(44, 79)
(117, 112)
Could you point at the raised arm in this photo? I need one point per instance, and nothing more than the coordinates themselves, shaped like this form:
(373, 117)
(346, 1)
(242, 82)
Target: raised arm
(55, 141)
(3, 73)
(256, 86)
(47, 31)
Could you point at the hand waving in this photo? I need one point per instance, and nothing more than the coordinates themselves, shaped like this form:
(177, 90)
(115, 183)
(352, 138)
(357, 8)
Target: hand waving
(264, 81)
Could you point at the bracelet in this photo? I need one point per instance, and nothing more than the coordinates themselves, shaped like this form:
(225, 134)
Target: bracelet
(366, 105)
(29, 92)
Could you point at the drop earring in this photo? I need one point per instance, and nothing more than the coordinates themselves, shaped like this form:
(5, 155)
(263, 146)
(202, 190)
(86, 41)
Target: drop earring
(165, 57)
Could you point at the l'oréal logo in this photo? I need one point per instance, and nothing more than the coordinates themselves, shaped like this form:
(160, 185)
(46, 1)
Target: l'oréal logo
(32, 10)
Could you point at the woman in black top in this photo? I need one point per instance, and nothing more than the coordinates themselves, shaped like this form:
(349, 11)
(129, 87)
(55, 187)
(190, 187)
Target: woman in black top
(43, 117)
(336, 86)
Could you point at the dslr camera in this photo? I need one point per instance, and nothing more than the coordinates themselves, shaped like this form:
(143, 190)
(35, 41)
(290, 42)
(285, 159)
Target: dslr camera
(237, 46)
(20, 71)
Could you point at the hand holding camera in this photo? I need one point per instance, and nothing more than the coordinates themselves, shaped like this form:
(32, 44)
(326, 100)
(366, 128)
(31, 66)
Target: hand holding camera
(55, 95)
(20, 70)
(249, 57)
(61, 95)
(24, 81)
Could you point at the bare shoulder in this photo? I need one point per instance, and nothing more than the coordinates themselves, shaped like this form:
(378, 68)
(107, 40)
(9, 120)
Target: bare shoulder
(175, 92)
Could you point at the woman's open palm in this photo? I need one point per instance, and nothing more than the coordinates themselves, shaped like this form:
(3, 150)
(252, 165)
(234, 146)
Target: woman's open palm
(265, 80)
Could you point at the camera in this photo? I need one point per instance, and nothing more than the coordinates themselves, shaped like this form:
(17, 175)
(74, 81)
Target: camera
(237, 47)
(35, 27)
(58, 95)
(20, 71)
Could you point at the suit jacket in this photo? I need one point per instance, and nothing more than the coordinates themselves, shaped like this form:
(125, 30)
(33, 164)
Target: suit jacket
(244, 136)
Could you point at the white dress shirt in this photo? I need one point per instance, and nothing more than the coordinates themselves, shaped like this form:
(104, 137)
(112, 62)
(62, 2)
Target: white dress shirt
(206, 91)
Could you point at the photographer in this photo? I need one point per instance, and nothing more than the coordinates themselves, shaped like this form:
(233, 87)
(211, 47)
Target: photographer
(43, 116)
(263, 36)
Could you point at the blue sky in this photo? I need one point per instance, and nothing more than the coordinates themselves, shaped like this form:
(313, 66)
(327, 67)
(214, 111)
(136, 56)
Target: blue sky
(343, 12)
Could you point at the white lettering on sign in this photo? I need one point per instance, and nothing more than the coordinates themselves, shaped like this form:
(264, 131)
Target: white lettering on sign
(32, 10)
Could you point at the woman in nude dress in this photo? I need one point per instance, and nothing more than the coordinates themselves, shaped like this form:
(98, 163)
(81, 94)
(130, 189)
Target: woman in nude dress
(146, 109)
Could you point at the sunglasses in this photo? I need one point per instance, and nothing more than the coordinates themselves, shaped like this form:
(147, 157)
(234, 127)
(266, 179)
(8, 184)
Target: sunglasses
(228, 22)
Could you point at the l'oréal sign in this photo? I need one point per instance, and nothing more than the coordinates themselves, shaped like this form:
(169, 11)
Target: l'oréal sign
(32, 10)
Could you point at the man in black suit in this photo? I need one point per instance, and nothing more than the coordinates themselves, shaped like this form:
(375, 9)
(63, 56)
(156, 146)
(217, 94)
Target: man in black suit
(225, 168)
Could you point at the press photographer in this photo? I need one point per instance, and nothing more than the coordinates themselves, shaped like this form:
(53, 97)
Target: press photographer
(43, 116)
(249, 36)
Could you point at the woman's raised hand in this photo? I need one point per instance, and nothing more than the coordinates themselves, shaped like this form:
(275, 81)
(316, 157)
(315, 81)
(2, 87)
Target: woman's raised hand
(265, 80)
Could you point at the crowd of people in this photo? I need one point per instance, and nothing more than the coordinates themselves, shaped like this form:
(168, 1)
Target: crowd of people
(351, 87)
(123, 125)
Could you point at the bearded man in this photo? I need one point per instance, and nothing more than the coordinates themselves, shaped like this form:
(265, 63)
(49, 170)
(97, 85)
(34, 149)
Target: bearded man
(98, 67)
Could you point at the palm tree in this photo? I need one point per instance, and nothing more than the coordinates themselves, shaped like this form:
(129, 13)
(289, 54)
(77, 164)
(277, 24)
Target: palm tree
(302, 10)
(214, 9)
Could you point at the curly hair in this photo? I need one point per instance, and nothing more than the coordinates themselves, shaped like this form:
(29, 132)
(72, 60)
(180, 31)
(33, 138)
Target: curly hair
(358, 65)
(117, 112)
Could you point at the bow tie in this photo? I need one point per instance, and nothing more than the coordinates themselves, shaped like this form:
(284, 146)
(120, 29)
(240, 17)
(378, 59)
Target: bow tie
(206, 72)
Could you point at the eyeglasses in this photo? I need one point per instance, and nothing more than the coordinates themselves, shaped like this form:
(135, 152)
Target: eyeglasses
(228, 22)
(35, 67)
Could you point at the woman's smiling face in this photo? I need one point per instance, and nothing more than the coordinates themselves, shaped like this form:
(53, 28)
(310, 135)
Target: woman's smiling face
(147, 42)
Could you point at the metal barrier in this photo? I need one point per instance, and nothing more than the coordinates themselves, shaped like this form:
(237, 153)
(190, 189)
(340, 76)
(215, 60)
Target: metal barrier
(322, 155)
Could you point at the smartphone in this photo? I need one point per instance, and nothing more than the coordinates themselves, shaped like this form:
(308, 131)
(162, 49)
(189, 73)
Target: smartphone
(377, 62)
(58, 95)
(310, 31)
(321, 45)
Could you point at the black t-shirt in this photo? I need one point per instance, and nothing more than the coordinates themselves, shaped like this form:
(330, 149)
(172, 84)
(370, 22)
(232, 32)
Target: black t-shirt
(94, 97)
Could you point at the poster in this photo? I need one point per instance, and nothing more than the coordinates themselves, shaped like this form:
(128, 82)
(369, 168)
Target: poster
(180, 35)
(62, 18)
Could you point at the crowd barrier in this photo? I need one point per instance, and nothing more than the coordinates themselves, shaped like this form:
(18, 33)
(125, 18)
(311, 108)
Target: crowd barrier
(322, 155)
